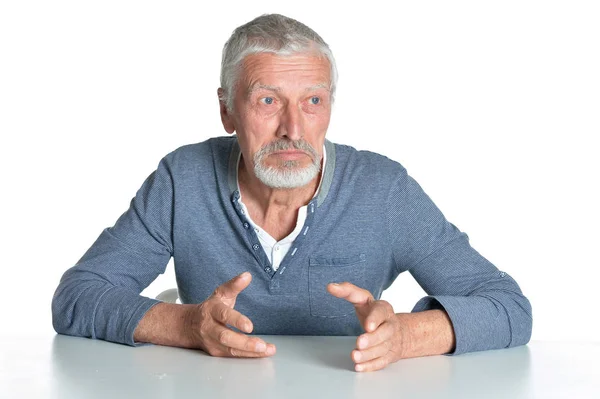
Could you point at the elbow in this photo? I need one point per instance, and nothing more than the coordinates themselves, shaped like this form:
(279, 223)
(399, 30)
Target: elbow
(522, 325)
(73, 306)
(514, 316)
(517, 310)
(62, 310)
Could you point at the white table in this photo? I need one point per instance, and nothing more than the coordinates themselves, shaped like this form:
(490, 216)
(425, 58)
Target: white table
(304, 367)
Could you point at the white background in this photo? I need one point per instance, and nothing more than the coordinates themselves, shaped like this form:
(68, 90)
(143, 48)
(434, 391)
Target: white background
(493, 107)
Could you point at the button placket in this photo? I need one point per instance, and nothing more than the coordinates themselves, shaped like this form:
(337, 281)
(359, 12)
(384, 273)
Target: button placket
(298, 242)
(251, 236)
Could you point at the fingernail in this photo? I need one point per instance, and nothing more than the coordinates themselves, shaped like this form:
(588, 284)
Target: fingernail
(270, 350)
(358, 367)
(261, 347)
(357, 356)
(336, 284)
(371, 326)
(363, 342)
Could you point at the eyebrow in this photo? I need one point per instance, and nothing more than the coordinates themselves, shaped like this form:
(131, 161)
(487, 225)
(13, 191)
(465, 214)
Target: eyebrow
(260, 86)
(318, 86)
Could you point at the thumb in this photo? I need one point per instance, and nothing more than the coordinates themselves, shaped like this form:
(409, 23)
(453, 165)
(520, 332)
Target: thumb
(233, 287)
(350, 292)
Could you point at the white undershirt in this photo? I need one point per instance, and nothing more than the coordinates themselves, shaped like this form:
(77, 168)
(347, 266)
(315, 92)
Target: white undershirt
(276, 250)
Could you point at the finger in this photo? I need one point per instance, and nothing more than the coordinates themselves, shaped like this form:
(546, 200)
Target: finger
(379, 313)
(231, 339)
(233, 287)
(373, 352)
(373, 365)
(270, 351)
(385, 332)
(350, 292)
(229, 316)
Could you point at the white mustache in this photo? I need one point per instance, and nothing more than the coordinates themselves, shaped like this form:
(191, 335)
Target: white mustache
(281, 145)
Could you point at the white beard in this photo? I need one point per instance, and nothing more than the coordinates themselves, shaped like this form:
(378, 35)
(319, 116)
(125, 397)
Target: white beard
(287, 176)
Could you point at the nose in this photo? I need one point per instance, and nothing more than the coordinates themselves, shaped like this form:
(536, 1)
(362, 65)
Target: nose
(291, 124)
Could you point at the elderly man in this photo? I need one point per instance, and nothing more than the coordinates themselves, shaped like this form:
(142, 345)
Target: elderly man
(276, 230)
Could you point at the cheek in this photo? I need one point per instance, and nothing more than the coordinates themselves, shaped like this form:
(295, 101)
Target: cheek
(261, 126)
(325, 118)
(258, 133)
(319, 121)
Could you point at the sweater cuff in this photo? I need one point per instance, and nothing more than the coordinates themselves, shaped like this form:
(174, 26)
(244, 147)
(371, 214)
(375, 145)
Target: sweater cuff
(477, 322)
(118, 313)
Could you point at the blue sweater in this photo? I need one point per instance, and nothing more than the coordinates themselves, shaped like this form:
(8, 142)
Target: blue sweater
(369, 222)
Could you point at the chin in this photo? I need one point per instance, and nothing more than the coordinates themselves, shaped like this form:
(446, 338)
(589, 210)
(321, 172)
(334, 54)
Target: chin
(286, 177)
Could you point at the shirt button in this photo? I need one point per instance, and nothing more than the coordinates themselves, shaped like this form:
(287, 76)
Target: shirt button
(276, 248)
(246, 225)
(256, 230)
(242, 212)
(268, 269)
(255, 247)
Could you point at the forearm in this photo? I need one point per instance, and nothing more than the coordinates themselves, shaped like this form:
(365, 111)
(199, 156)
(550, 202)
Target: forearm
(165, 324)
(492, 319)
(427, 333)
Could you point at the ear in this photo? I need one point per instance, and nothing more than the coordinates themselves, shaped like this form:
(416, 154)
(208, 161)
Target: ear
(226, 118)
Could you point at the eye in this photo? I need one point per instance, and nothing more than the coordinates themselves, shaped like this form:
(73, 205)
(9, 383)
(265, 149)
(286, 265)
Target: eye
(315, 100)
(267, 100)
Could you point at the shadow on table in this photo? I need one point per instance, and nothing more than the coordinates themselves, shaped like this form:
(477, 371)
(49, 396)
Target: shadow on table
(327, 352)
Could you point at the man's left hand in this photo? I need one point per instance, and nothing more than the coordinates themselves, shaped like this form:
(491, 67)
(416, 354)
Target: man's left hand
(386, 338)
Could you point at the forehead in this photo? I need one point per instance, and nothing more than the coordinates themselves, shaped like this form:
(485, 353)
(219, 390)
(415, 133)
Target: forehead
(300, 70)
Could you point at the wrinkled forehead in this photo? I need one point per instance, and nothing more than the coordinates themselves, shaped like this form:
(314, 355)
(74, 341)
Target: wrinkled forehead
(275, 71)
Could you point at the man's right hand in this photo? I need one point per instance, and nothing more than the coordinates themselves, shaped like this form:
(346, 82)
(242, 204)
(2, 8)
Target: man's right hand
(208, 324)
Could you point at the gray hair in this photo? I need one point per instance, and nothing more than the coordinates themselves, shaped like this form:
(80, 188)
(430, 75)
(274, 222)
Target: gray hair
(269, 33)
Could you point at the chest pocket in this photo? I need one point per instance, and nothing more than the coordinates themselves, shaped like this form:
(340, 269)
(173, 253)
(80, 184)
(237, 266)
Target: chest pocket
(322, 271)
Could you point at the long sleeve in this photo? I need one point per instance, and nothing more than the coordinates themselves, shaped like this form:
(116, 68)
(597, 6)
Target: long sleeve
(99, 296)
(486, 305)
